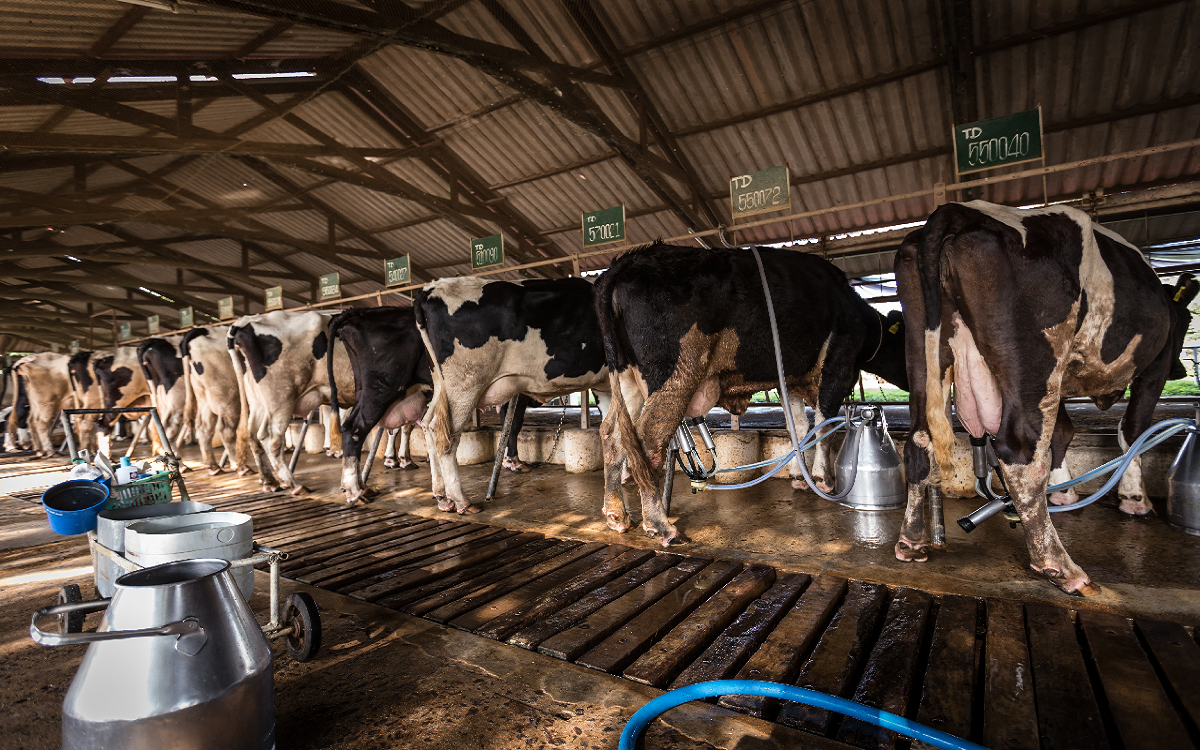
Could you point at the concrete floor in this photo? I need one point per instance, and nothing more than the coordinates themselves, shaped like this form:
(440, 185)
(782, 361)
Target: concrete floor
(388, 680)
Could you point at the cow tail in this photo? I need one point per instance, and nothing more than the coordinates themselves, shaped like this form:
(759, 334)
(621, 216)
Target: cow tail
(10, 427)
(335, 324)
(243, 449)
(439, 408)
(929, 264)
(635, 452)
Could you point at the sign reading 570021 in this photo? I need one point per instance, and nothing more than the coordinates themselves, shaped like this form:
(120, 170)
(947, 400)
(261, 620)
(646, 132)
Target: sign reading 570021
(760, 192)
(998, 142)
(487, 251)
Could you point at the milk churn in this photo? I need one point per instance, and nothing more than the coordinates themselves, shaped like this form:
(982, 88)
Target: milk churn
(878, 479)
(1183, 486)
(178, 662)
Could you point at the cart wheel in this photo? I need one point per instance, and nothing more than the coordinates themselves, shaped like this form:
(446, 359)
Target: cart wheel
(303, 623)
(72, 622)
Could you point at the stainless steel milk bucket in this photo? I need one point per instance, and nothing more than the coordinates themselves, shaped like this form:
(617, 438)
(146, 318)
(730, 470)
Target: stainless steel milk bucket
(878, 478)
(1183, 487)
(110, 532)
(220, 534)
(178, 662)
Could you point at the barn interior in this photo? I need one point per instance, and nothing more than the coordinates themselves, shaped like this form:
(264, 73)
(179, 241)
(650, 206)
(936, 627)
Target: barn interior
(173, 165)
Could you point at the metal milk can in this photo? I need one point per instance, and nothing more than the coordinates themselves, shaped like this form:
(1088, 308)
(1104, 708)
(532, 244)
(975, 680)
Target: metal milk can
(178, 662)
(878, 479)
(1183, 487)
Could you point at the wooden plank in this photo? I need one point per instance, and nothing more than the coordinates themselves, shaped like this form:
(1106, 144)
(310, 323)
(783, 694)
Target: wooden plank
(1137, 701)
(427, 550)
(1068, 714)
(733, 647)
(563, 595)
(359, 568)
(416, 593)
(779, 658)
(1009, 709)
(949, 690)
(629, 642)
(836, 661)
(318, 556)
(435, 567)
(1178, 657)
(571, 643)
(533, 634)
(356, 534)
(891, 669)
(380, 545)
(685, 642)
(481, 596)
(343, 527)
(529, 593)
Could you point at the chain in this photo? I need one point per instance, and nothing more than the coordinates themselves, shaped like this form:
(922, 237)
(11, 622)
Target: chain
(557, 433)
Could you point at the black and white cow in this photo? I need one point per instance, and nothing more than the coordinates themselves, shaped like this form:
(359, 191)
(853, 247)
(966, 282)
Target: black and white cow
(210, 376)
(392, 381)
(16, 416)
(118, 374)
(162, 366)
(491, 340)
(687, 329)
(279, 358)
(86, 392)
(1017, 310)
(46, 384)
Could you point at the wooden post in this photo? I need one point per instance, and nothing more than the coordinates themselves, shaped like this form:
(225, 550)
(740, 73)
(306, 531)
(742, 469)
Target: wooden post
(939, 194)
(585, 411)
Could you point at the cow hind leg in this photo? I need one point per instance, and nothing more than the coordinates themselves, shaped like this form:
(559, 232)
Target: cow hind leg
(389, 451)
(616, 516)
(913, 544)
(1063, 432)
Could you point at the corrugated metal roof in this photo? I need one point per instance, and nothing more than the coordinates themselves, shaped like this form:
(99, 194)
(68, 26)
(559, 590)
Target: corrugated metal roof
(854, 96)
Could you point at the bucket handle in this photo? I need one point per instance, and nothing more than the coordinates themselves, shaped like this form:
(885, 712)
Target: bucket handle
(190, 636)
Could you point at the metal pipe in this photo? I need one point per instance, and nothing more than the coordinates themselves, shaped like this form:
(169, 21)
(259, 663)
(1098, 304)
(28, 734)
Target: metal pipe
(669, 477)
(937, 518)
(66, 423)
(505, 431)
(143, 423)
(300, 442)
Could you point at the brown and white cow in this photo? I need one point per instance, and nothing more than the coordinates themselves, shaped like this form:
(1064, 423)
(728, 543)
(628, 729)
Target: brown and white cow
(686, 329)
(213, 382)
(162, 366)
(279, 358)
(48, 388)
(1017, 310)
(491, 340)
(86, 392)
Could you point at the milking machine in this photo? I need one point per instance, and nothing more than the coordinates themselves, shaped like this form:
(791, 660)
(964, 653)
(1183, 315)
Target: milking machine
(868, 449)
(1183, 498)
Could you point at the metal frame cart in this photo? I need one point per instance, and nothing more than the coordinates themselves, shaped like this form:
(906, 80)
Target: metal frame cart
(297, 621)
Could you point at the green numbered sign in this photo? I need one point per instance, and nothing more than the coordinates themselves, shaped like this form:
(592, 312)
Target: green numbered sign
(487, 251)
(185, 317)
(604, 226)
(760, 192)
(329, 286)
(274, 298)
(152, 324)
(225, 308)
(395, 271)
(998, 142)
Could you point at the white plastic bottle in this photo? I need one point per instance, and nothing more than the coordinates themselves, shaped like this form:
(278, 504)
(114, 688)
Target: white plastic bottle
(125, 472)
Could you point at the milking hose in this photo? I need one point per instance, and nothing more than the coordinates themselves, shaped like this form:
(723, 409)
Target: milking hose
(1144, 442)
(671, 699)
(778, 463)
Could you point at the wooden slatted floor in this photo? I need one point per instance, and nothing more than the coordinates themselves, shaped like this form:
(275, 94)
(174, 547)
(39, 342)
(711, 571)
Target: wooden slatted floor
(1001, 673)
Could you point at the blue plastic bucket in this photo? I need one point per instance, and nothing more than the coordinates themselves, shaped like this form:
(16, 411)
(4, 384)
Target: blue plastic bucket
(72, 506)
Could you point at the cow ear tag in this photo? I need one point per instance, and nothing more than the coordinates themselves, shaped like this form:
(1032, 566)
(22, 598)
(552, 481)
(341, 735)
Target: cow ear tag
(895, 327)
(1179, 294)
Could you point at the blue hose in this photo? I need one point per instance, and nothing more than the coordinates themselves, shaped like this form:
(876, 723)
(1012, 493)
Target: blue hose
(778, 463)
(644, 715)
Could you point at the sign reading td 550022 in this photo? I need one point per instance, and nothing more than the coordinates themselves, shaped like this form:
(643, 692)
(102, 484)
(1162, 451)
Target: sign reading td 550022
(760, 192)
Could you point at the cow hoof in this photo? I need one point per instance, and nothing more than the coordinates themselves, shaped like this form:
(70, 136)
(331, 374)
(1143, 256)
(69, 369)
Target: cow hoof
(243, 471)
(514, 465)
(1064, 498)
(1136, 506)
(212, 472)
(444, 503)
(1081, 585)
(470, 510)
(822, 486)
(617, 523)
(266, 487)
(299, 490)
(389, 463)
(183, 468)
(798, 483)
(408, 465)
(907, 551)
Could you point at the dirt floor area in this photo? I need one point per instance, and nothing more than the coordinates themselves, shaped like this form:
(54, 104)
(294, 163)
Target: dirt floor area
(387, 680)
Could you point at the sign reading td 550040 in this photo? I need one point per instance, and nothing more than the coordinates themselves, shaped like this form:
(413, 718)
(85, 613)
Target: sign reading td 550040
(998, 142)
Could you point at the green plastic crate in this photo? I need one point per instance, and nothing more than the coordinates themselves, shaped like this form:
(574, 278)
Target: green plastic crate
(152, 490)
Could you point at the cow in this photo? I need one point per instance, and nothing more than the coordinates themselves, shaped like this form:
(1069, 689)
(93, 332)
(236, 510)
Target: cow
(47, 386)
(162, 366)
(491, 340)
(279, 359)
(216, 395)
(1018, 309)
(118, 374)
(16, 417)
(86, 392)
(392, 380)
(686, 329)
